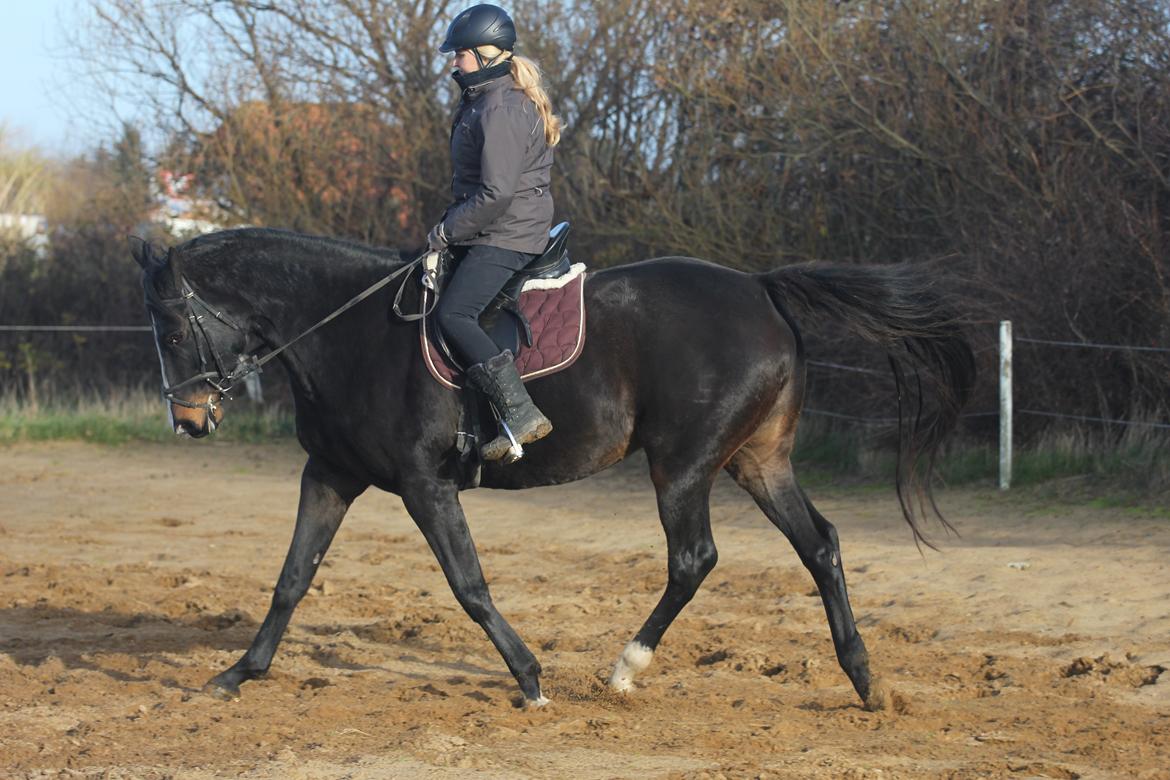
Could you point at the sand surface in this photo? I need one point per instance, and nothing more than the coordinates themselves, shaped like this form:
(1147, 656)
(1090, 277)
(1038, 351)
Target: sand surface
(1037, 645)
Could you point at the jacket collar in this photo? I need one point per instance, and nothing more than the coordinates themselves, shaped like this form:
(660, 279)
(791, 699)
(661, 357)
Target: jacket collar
(474, 83)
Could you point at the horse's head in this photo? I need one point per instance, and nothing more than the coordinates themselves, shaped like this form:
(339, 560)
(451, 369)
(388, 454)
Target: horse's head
(198, 344)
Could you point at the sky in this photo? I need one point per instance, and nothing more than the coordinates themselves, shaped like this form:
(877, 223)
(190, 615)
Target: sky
(34, 79)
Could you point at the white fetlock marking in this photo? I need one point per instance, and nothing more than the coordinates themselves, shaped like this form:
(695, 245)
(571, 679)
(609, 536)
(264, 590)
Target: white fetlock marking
(634, 659)
(535, 704)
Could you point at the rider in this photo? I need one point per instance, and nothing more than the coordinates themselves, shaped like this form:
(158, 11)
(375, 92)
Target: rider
(501, 152)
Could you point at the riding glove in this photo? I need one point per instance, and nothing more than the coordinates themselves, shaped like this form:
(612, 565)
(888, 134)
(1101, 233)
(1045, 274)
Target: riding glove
(437, 238)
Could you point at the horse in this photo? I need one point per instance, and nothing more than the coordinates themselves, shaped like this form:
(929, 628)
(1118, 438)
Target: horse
(699, 366)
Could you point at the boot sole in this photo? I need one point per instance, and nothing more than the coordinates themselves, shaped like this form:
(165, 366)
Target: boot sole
(542, 429)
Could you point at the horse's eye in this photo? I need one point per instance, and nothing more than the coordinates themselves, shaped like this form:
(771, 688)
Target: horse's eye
(175, 338)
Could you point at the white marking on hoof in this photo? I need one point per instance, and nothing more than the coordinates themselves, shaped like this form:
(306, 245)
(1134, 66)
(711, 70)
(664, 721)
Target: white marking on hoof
(536, 704)
(634, 659)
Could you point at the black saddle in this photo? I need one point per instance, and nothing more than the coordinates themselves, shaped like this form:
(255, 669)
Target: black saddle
(502, 320)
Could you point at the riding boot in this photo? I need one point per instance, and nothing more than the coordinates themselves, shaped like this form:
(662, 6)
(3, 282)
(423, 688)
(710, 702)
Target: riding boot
(498, 379)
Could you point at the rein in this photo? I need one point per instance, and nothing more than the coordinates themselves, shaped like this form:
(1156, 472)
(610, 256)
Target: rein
(223, 380)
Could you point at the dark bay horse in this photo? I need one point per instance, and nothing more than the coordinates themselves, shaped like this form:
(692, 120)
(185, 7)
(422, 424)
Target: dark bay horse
(698, 365)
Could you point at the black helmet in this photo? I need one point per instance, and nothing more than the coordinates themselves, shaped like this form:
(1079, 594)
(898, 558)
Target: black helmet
(481, 25)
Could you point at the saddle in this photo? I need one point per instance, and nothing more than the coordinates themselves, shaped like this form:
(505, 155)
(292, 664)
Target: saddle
(539, 315)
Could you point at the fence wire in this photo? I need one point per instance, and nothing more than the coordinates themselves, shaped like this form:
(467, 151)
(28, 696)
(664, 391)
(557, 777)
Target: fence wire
(1033, 412)
(1135, 423)
(75, 328)
(840, 367)
(1091, 345)
(817, 363)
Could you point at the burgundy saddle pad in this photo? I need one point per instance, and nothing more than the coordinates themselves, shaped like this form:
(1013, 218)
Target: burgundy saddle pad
(555, 308)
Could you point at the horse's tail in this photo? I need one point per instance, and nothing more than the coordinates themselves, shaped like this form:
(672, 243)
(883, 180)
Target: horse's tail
(901, 309)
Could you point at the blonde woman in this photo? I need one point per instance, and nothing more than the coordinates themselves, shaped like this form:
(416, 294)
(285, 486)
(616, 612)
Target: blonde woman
(502, 141)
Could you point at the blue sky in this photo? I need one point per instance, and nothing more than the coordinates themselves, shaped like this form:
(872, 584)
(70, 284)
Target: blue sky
(34, 79)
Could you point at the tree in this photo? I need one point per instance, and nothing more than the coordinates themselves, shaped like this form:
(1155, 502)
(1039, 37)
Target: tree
(1022, 143)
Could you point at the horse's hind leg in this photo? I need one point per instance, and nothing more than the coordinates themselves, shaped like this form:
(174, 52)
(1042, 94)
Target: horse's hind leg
(684, 508)
(325, 497)
(766, 473)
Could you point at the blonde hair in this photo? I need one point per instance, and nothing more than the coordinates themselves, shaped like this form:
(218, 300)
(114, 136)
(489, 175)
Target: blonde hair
(527, 76)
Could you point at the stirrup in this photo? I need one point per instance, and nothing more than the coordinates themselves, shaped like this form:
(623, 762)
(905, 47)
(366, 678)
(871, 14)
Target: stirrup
(516, 451)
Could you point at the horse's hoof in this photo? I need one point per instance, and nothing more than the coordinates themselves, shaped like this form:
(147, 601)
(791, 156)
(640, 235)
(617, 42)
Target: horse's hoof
(222, 691)
(635, 658)
(536, 704)
(878, 697)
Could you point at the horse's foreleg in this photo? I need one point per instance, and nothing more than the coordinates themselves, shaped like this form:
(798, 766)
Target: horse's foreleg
(770, 481)
(684, 509)
(325, 497)
(435, 508)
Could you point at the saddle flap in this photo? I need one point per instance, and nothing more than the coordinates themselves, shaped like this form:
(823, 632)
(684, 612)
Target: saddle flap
(553, 262)
(555, 256)
(556, 311)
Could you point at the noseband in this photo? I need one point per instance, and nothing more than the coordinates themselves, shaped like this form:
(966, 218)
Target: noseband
(221, 379)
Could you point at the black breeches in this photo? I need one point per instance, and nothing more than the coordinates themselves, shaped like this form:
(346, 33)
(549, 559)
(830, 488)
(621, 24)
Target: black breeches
(480, 273)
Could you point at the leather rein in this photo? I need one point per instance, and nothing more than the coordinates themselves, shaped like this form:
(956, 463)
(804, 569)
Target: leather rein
(214, 371)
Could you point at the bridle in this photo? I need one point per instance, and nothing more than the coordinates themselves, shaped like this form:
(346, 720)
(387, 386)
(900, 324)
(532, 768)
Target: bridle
(214, 370)
(221, 380)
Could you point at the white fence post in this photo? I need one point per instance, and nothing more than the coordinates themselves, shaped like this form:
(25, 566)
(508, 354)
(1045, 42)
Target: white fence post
(1005, 404)
(253, 388)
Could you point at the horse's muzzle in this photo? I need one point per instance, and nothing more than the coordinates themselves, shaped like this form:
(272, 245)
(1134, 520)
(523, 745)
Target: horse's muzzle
(200, 421)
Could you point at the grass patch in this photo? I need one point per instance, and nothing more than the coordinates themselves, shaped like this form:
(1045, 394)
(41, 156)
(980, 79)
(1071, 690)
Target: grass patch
(832, 453)
(1136, 460)
(138, 415)
(1124, 467)
(1075, 462)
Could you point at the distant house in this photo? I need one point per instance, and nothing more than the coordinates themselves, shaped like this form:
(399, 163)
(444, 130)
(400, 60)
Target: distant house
(179, 213)
(33, 229)
(319, 164)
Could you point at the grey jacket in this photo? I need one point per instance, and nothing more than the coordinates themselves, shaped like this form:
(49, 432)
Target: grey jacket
(502, 169)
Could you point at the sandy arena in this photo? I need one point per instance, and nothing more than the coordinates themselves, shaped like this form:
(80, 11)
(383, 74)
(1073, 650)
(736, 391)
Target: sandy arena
(1037, 645)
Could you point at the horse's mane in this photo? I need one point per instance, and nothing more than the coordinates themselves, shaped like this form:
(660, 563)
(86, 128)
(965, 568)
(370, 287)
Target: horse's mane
(225, 249)
(215, 243)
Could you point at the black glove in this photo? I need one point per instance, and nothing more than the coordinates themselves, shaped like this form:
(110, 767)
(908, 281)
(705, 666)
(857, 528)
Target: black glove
(437, 238)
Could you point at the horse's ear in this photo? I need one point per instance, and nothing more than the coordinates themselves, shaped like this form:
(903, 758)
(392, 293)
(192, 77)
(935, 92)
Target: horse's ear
(139, 249)
(141, 252)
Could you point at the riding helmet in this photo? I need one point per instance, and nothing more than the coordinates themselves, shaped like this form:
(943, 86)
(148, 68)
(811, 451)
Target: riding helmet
(481, 25)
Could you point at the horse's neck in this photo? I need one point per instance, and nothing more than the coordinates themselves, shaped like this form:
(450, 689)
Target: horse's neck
(292, 287)
(286, 293)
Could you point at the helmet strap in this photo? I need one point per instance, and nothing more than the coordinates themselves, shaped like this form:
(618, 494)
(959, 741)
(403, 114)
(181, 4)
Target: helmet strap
(486, 64)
